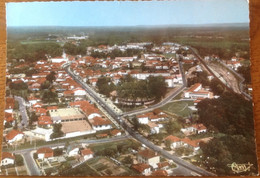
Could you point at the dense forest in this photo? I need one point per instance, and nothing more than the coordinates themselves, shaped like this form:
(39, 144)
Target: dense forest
(232, 116)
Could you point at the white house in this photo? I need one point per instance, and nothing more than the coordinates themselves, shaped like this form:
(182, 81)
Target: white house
(142, 168)
(73, 150)
(87, 154)
(7, 159)
(45, 153)
(14, 136)
(79, 92)
(196, 91)
(99, 123)
(154, 128)
(143, 119)
(91, 116)
(148, 156)
(175, 141)
(63, 58)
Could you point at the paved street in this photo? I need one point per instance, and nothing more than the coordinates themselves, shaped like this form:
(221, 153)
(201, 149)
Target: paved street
(30, 164)
(22, 109)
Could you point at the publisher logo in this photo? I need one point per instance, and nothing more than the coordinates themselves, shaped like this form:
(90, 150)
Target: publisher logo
(238, 168)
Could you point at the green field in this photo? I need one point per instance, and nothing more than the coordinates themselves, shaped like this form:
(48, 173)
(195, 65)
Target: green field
(179, 108)
(39, 42)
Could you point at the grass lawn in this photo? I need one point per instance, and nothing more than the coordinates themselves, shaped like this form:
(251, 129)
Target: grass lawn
(205, 135)
(179, 108)
(102, 146)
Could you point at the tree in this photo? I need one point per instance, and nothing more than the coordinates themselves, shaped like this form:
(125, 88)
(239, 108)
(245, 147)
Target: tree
(216, 87)
(128, 160)
(45, 85)
(56, 131)
(35, 156)
(51, 77)
(168, 144)
(245, 71)
(157, 86)
(33, 118)
(19, 160)
(172, 127)
(105, 86)
(49, 96)
(57, 152)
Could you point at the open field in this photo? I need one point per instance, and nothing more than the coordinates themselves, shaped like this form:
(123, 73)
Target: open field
(179, 108)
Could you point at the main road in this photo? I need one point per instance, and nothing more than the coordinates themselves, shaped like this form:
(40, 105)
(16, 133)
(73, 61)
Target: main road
(23, 112)
(183, 164)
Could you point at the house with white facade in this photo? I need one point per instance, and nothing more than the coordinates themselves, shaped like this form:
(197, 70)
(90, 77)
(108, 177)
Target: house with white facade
(7, 159)
(196, 91)
(142, 168)
(45, 153)
(14, 136)
(99, 123)
(143, 119)
(149, 157)
(87, 153)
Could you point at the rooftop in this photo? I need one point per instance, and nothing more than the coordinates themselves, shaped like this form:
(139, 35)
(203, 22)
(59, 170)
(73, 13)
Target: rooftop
(65, 113)
(147, 153)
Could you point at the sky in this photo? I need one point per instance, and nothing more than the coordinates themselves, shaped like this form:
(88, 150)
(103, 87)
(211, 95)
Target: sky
(126, 13)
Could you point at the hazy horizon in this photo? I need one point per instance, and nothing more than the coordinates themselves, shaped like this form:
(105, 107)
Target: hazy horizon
(126, 13)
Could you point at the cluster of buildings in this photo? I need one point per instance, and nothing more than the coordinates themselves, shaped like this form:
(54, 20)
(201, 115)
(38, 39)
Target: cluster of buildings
(123, 48)
(116, 69)
(152, 120)
(150, 163)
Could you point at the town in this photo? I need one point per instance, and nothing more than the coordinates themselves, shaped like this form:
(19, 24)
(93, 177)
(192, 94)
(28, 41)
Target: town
(119, 110)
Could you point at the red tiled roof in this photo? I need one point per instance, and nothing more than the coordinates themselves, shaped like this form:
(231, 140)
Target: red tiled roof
(140, 167)
(115, 132)
(40, 110)
(160, 173)
(99, 121)
(172, 138)
(193, 87)
(193, 143)
(147, 153)
(7, 155)
(48, 152)
(199, 126)
(163, 164)
(12, 134)
(44, 120)
(9, 117)
(86, 151)
(9, 103)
